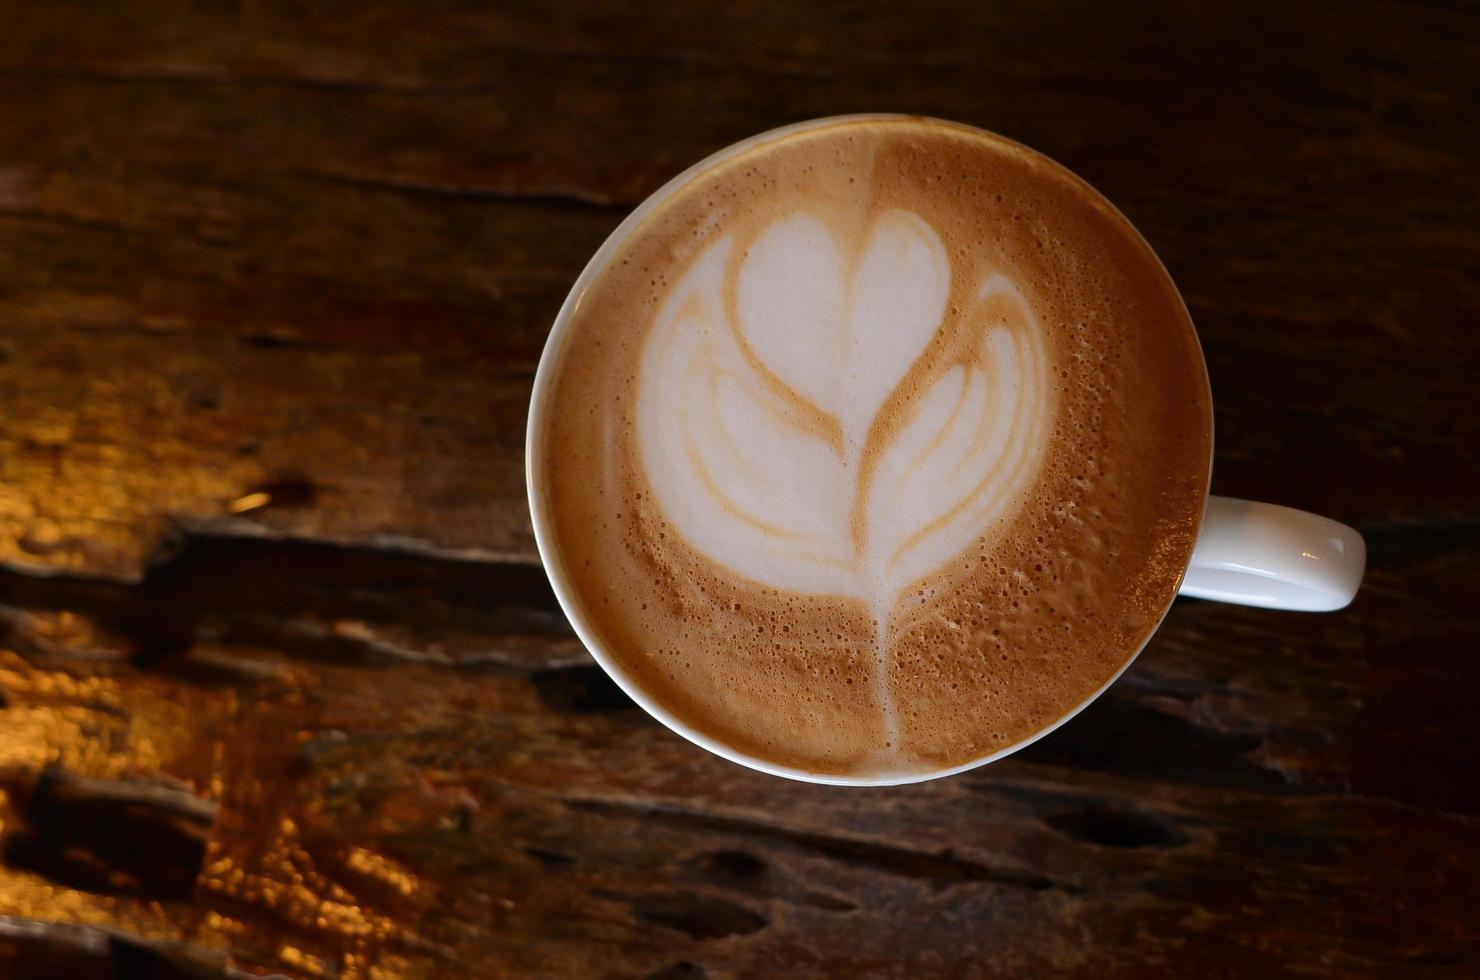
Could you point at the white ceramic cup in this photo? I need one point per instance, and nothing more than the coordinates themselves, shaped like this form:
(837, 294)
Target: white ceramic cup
(1248, 553)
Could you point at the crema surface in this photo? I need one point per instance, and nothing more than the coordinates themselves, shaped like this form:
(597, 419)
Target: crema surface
(876, 448)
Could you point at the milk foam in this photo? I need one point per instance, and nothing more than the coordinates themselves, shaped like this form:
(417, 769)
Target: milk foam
(797, 431)
(874, 449)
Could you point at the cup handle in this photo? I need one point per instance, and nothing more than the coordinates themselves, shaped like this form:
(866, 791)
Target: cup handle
(1277, 557)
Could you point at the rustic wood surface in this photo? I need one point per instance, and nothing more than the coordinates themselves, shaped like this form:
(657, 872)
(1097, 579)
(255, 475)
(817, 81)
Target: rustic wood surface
(283, 690)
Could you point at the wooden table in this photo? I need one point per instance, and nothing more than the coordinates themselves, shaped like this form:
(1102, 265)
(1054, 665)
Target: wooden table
(282, 687)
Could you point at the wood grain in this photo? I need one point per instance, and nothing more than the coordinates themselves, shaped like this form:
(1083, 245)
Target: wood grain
(282, 688)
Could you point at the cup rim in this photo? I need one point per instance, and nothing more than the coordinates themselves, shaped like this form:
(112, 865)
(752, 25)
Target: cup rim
(544, 535)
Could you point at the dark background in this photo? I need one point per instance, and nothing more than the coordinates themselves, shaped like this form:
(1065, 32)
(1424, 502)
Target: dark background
(282, 687)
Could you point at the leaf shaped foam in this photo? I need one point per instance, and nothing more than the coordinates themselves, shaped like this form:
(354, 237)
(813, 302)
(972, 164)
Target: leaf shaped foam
(797, 429)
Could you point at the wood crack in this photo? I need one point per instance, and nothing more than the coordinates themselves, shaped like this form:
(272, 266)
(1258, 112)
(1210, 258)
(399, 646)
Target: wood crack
(570, 197)
(234, 581)
(36, 948)
(222, 79)
(938, 869)
(109, 836)
(72, 222)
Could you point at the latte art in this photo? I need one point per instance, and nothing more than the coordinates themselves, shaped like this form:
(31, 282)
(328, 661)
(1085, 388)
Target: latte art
(822, 421)
(873, 449)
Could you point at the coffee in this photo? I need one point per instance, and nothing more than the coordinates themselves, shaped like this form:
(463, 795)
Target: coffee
(876, 447)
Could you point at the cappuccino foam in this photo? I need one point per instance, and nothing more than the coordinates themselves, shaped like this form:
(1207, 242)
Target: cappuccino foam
(876, 448)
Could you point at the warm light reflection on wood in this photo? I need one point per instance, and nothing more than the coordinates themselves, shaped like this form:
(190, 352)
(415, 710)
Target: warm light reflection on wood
(248, 502)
